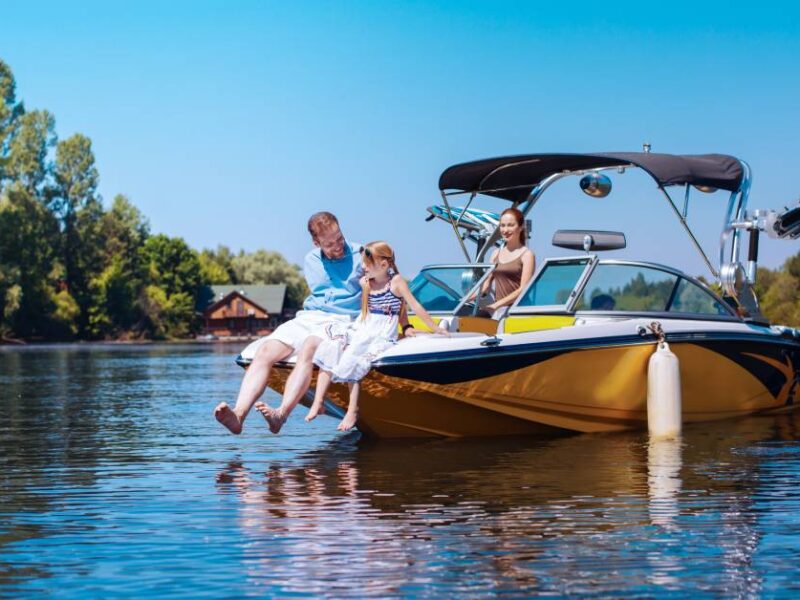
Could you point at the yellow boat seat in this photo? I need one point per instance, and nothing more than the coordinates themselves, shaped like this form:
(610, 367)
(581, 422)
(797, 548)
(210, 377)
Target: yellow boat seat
(524, 323)
(512, 324)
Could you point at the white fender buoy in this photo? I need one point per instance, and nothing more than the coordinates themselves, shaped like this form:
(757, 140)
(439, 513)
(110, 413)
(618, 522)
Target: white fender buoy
(663, 393)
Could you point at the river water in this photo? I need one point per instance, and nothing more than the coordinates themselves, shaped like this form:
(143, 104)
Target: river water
(118, 482)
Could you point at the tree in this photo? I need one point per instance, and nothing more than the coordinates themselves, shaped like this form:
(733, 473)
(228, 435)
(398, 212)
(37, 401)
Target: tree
(263, 266)
(114, 309)
(72, 197)
(28, 149)
(10, 111)
(217, 266)
(779, 292)
(28, 233)
(173, 276)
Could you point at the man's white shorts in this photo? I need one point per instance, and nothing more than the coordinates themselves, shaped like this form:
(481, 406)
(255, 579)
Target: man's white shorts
(293, 333)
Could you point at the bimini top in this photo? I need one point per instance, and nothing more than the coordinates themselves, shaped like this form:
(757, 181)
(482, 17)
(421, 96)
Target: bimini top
(513, 177)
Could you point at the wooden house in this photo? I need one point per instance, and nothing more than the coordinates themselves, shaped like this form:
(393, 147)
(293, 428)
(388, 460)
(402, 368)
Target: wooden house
(241, 310)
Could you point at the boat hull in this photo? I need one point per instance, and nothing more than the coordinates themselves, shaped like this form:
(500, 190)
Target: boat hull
(591, 389)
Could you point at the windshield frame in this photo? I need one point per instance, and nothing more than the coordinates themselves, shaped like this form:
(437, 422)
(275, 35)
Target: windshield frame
(566, 307)
(490, 267)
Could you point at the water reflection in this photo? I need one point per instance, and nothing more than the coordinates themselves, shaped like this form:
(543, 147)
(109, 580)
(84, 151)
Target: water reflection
(114, 477)
(513, 512)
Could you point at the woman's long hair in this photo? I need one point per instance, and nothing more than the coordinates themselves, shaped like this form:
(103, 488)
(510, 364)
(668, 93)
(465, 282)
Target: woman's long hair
(374, 252)
(520, 219)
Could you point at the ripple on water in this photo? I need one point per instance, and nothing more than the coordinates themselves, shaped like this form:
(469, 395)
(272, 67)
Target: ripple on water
(115, 479)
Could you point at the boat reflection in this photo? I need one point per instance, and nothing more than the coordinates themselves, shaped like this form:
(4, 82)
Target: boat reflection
(516, 512)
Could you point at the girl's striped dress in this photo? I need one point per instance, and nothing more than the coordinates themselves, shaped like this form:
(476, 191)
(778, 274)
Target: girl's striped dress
(347, 351)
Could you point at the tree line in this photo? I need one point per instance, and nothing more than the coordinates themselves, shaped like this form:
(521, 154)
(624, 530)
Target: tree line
(72, 269)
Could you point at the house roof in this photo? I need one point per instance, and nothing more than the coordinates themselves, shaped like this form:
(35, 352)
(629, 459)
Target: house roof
(270, 297)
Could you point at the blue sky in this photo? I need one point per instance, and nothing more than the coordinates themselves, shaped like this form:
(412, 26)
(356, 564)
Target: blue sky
(231, 122)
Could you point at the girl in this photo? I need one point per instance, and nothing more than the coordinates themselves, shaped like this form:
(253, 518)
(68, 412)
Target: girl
(346, 353)
(515, 263)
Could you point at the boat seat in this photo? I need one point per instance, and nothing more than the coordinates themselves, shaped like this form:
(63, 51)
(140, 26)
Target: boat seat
(525, 323)
(478, 325)
(455, 324)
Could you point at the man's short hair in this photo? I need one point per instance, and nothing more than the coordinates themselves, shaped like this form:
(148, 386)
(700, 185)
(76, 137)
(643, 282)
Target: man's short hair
(320, 221)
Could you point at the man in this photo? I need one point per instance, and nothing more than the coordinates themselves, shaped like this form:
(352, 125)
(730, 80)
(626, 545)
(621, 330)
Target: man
(332, 270)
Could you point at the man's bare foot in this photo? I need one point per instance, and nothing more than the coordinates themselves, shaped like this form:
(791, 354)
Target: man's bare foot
(228, 418)
(274, 418)
(314, 412)
(348, 422)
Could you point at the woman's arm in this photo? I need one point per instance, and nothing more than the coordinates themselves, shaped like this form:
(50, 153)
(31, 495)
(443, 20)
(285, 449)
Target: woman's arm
(399, 288)
(528, 266)
(486, 283)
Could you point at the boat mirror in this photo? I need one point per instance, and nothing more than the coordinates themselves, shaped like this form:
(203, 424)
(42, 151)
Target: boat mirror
(596, 185)
(706, 189)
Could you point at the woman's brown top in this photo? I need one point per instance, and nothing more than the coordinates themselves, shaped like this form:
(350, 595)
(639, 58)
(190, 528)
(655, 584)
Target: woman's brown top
(507, 277)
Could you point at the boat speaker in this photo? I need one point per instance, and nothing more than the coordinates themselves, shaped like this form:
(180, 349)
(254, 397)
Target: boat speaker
(785, 224)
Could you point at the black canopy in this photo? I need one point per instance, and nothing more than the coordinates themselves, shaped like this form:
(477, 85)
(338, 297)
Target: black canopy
(513, 177)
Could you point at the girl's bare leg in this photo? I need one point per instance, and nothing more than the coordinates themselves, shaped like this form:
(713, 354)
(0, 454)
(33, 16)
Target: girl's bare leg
(323, 382)
(351, 417)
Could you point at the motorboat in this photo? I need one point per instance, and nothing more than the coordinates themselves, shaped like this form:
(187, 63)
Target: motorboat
(571, 354)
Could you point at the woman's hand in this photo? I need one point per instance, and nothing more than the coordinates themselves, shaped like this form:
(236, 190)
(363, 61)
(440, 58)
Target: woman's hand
(410, 332)
(441, 331)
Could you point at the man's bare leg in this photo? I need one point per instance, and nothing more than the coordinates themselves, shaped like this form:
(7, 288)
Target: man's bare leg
(253, 385)
(323, 383)
(351, 416)
(296, 385)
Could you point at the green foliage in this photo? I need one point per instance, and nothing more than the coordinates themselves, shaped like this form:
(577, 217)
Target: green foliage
(28, 149)
(69, 268)
(174, 276)
(263, 266)
(113, 309)
(10, 111)
(75, 176)
(172, 264)
(168, 316)
(217, 266)
(28, 232)
(66, 314)
(779, 292)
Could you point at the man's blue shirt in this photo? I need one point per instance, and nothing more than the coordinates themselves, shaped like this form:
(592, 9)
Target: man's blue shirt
(335, 284)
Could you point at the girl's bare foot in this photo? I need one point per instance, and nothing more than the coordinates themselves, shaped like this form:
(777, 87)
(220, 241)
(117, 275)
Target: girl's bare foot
(274, 418)
(314, 412)
(348, 422)
(228, 418)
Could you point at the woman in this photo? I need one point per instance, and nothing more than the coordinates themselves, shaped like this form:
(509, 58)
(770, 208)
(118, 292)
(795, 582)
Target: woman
(515, 263)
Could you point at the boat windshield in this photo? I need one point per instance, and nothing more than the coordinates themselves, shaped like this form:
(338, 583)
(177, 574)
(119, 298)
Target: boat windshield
(442, 288)
(554, 284)
(641, 288)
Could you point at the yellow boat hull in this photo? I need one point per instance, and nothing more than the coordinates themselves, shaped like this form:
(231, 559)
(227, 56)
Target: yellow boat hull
(585, 390)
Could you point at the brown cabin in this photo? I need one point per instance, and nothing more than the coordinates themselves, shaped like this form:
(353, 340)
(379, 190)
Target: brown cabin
(241, 310)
